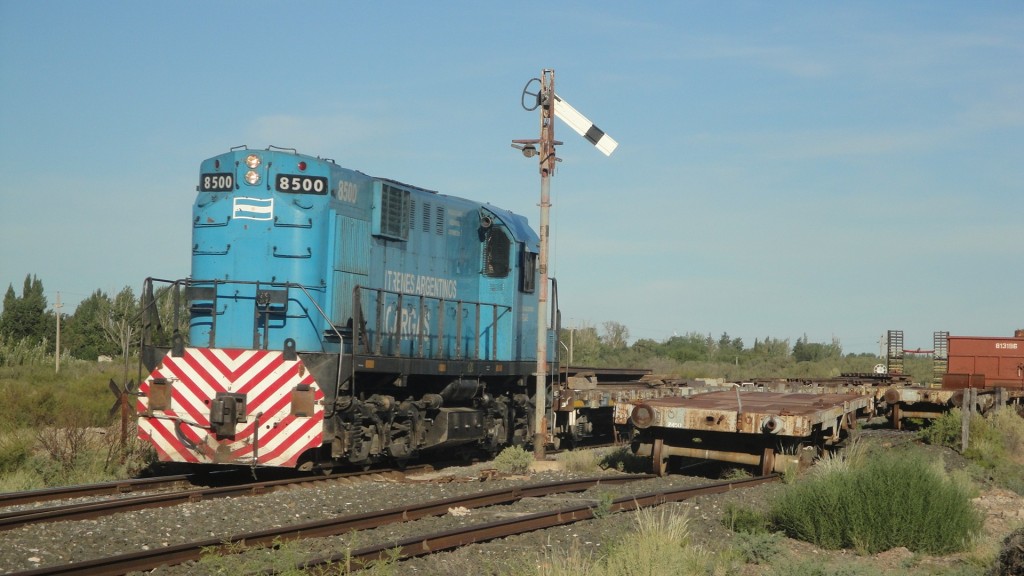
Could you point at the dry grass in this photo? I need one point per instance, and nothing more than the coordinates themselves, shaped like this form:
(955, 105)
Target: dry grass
(658, 545)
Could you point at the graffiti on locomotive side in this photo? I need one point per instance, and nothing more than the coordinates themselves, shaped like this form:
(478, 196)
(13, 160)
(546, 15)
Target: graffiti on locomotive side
(413, 324)
(420, 285)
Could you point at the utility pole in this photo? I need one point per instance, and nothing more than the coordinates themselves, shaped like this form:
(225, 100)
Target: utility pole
(550, 106)
(56, 308)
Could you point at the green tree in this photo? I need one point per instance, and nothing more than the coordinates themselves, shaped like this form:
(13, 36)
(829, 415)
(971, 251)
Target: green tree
(770, 348)
(729, 349)
(120, 320)
(25, 317)
(689, 348)
(585, 345)
(169, 314)
(804, 351)
(615, 336)
(84, 333)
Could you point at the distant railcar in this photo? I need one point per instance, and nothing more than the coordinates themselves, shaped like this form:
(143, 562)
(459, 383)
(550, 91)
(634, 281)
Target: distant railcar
(985, 362)
(334, 316)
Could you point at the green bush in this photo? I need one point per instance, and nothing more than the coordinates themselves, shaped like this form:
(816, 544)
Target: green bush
(623, 460)
(742, 519)
(15, 449)
(995, 448)
(944, 430)
(37, 395)
(895, 499)
(814, 567)
(56, 427)
(659, 545)
(513, 460)
(580, 461)
(24, 352)
(758, 548)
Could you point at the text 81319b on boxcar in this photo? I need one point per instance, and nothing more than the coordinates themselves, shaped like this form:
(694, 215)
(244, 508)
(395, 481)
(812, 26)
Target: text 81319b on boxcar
(333, 316)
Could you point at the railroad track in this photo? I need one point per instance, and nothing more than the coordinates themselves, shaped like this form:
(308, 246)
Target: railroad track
(450, 539)
(96, 509)
(419, 545)
(100, 489)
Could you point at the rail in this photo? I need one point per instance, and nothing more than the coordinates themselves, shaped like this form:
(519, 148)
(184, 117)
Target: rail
(91, 510)
(150, 559)
(447, 540)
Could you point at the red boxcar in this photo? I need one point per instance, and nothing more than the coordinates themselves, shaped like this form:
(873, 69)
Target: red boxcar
(985, 362)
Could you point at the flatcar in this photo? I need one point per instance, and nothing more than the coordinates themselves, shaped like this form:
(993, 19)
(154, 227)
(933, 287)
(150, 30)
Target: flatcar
(336, 317)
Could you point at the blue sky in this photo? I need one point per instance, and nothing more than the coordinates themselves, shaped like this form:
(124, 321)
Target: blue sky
(784, 169)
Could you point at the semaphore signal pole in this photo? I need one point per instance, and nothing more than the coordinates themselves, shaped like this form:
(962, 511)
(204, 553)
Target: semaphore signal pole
(550, 106)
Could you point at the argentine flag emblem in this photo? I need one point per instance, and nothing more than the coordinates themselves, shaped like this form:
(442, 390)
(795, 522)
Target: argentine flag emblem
(253, 208)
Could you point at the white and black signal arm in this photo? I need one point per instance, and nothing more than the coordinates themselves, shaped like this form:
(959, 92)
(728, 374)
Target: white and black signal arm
(571, 116)
(584, 127)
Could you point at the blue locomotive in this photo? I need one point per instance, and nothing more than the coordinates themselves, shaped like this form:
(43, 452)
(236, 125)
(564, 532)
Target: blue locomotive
(334, 316)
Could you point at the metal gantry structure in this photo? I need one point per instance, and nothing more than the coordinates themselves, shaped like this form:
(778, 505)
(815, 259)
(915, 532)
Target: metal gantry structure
(550, 105)
(896, 354)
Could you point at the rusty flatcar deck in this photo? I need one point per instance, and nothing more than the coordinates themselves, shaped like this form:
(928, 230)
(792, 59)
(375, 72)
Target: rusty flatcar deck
(925, 403)
(777, 413)
(744, 427)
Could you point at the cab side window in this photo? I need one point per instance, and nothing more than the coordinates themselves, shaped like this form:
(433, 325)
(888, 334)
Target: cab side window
(496, 253)
(528, 269)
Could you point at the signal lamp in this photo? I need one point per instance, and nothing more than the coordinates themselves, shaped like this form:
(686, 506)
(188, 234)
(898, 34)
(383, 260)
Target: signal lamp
(252, 161)
(252, 177)
(302, 166)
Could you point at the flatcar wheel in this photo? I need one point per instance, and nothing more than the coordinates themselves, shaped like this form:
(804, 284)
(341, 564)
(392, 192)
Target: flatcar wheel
(767, 461)
(659, 463)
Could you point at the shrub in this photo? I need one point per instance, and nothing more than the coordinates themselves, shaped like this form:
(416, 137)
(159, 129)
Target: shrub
(24, 352)
(603, 506)
(742, 519)
(1009, 427)
(513, 460)
(659, 545)
(758, 548)
(15, 449)
(580, 461)
(893, 500)
(623, 460)
(996, 446)
(63, 444)
(1011, 557)
(944, 430)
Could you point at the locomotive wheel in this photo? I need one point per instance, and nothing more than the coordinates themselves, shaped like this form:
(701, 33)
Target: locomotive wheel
(659, 464)
(767, 461)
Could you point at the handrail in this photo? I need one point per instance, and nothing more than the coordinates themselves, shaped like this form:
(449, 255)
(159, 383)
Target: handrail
(374, 344)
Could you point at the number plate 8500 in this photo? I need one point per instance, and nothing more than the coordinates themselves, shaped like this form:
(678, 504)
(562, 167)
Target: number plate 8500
(296, 184)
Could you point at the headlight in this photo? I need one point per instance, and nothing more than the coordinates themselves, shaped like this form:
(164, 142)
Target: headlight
(252, 161)
(252, 177)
